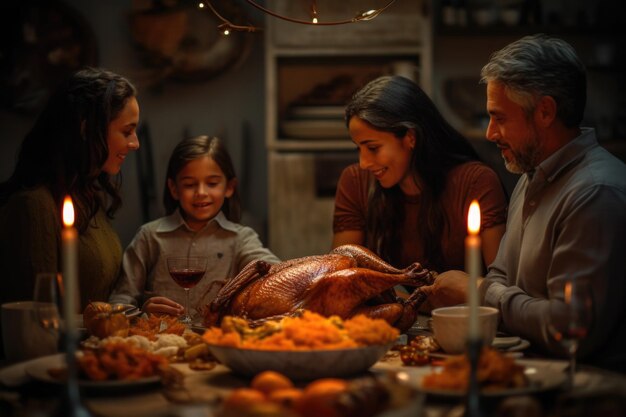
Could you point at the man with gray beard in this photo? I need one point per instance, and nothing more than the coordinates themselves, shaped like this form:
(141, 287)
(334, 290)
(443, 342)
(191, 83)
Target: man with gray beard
(567, 215)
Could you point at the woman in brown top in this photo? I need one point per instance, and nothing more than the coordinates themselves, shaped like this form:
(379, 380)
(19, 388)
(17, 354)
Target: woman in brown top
(407, 199)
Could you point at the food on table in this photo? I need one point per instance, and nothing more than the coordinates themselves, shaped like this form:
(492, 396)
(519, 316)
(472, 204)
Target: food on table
(417, 352)
(120, 361)
(327, 397)
(424, 343)
(162, 335)
(102, 320)
(269, 381)
(155, 324)
(411, 356)
(495, 371)
(309, 331)
(286, 397)
(322, 398)
(350, 280)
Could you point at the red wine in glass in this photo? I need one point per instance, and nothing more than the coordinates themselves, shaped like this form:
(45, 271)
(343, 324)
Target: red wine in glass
(186, 271)
(187, 278)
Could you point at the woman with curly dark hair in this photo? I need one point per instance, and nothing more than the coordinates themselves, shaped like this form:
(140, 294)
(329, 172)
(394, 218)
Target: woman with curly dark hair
(408, 197)
(76, 148)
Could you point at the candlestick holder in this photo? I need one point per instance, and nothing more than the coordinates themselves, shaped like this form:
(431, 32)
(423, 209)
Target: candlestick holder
(472, 401)
(71, 405)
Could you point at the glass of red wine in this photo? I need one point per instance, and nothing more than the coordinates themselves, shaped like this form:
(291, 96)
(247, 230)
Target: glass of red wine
(187, 271)
(570, 315)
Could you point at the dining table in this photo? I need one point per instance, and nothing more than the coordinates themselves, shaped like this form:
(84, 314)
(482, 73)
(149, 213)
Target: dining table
(199, 393)
(596, 392)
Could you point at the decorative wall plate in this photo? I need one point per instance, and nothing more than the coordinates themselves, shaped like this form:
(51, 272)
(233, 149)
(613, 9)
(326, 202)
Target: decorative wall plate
(183, 42)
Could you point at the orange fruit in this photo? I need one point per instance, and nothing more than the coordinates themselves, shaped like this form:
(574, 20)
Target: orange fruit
(269, 381)
(318, 398)
(287, 397)
(244, 399)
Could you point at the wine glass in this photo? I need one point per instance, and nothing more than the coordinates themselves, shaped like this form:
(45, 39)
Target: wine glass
(187, 271)
(47, 299)
(570, 315)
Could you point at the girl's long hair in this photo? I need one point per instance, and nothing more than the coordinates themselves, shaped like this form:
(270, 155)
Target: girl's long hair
(396, 104)
(67, 147)
(198, 147)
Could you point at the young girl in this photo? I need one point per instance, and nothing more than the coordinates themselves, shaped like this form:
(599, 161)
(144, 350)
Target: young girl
(203, 210)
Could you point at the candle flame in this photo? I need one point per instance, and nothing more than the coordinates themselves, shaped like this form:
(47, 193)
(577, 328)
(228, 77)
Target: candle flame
(473, 218)
(68, 212)
(568, 293)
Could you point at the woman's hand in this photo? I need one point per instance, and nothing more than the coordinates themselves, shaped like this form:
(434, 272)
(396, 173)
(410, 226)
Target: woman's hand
(162, 305)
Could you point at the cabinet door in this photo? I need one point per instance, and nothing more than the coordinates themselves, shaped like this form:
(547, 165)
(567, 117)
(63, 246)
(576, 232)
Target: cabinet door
(301, 193)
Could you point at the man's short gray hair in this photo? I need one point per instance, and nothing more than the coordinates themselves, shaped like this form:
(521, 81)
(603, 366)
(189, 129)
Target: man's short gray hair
(539, 65)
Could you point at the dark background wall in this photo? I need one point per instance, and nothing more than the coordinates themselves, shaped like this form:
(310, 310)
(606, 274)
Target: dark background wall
(232, 103)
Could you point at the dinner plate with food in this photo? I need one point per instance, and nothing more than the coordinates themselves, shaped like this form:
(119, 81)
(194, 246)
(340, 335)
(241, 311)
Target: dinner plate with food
(53, 369)
(498, 375)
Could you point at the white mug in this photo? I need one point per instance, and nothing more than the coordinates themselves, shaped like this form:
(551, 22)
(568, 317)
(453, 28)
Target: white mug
(22, 335)
(450, 325)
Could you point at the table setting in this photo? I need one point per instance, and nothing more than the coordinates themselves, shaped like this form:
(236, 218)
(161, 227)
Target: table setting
(28, 384)
(114, 360)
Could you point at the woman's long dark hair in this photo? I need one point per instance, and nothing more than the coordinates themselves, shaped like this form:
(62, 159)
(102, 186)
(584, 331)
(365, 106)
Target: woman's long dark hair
(396, 104)
(67, 147)
(191, 149)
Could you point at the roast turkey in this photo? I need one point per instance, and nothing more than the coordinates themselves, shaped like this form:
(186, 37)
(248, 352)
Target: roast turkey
(349, 280)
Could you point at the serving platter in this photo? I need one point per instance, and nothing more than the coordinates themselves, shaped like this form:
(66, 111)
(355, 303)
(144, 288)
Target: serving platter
(300, 364)
(38, 370)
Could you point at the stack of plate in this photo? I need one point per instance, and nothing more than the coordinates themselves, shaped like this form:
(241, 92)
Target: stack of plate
(315, 122)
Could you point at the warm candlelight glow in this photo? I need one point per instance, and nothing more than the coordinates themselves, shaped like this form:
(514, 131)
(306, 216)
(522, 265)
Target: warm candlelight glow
(473, 266)
(68, 212)
(568, 293)
(473, 218)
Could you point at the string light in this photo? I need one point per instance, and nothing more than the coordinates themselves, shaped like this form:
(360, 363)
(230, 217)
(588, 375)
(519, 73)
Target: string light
(314, 12)
(226, 27)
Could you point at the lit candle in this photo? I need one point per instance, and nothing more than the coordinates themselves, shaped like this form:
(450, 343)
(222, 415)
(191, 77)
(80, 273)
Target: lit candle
(473, 264)
(69, 239)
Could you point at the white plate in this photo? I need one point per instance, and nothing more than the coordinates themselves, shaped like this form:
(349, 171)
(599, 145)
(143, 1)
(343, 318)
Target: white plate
(38, 370)
(522, 345)
(300, 364)
(505, 342)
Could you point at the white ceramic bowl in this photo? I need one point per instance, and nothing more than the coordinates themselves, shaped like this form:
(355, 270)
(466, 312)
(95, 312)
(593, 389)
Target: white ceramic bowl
(450, 326)
(300, 364)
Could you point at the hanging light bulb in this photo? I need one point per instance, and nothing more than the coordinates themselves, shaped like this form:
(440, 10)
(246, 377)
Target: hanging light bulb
(314, 12)
(226, 27)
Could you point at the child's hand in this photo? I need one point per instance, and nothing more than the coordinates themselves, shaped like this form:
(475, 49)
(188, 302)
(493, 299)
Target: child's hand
(162, 305)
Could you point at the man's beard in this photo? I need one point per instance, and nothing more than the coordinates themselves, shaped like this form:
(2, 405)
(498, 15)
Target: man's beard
(524, 160)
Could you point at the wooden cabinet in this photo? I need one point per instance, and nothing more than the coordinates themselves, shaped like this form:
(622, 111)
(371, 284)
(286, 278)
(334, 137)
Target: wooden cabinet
(311, 72)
